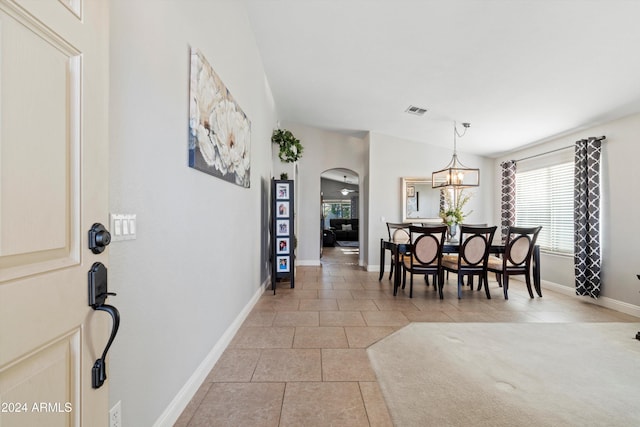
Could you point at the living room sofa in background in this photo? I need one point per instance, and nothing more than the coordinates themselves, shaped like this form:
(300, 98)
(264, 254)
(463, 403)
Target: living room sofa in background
(344, 229)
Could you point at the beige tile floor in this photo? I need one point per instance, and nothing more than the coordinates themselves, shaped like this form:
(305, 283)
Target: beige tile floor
(300, 357)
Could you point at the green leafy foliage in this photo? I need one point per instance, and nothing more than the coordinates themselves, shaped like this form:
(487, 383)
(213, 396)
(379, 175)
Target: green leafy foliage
(290, 147)
(452, 213)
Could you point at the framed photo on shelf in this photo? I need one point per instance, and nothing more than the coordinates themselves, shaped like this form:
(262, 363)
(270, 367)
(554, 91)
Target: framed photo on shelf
(283, 210)
(282, 245)
(282, 227)
(282, 191)
(283, 264)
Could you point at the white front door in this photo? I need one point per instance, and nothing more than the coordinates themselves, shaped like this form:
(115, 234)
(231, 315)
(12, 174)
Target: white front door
(53, 187)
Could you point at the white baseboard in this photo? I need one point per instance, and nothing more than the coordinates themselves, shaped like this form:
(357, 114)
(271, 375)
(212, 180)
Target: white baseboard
(616, 305)
(373, 268)
(564, 290)
(186, 393)
(622, 307)
(317, 263)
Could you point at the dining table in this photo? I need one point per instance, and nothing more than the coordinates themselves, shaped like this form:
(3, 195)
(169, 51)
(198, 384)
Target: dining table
(398, 249)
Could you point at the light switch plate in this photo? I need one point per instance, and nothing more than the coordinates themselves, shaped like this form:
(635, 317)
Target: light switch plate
(123, 226)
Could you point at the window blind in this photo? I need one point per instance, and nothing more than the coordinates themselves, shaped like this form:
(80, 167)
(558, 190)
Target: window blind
(544, 196)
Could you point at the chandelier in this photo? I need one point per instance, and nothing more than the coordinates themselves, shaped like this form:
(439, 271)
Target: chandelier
(455, 174)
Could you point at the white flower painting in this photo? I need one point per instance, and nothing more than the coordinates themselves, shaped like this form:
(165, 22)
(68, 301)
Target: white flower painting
(219, 131)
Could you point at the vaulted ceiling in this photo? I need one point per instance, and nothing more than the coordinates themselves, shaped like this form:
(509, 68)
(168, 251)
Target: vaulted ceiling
(520, 71)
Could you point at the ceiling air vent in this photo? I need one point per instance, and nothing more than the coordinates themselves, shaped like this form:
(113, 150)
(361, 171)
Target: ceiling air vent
(416, 110)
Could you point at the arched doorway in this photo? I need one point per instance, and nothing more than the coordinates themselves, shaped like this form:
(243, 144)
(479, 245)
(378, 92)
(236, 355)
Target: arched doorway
(339, 216)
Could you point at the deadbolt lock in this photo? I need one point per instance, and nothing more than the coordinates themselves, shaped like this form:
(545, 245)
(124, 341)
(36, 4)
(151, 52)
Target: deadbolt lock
(99, 238)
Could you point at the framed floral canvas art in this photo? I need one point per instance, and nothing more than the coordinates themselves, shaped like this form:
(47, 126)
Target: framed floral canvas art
(219, 131)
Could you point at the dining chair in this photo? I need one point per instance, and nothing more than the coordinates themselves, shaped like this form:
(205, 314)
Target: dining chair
(470, 279)
(398, 233)
(472, 257)
(516, 259)
(426, 255)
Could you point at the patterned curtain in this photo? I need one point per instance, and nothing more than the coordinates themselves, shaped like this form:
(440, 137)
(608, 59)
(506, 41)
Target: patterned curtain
(508, 198)
(587, 216)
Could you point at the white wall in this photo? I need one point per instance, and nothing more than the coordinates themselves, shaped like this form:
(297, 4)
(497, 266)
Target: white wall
(195, 265)
(322, 150)
(200, 253)
(390, 159)
(621, 208)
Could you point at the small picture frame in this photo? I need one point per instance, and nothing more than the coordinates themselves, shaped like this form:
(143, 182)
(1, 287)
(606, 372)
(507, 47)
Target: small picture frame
(282, 191)
(282, 209)
(282, 245)
(282, 227)
(283, 264)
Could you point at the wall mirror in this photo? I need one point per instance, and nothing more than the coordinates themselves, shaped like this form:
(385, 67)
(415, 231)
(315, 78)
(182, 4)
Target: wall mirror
(420, 202)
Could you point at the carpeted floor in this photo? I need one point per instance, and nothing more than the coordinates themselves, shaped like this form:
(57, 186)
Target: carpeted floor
(511, 374)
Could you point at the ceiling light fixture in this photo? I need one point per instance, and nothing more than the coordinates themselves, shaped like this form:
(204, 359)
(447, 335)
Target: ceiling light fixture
(345, 190)
(455, 174)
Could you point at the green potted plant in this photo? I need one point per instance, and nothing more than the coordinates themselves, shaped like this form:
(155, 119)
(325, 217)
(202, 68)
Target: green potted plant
(290, 147)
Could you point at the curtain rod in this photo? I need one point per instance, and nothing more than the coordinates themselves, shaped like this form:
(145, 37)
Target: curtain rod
(602, 138)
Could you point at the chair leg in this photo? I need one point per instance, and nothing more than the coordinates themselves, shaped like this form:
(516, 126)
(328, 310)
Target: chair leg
(391, 269)
(404, 277)
(486, 284)
(460, 283)
(499, 279)
(441, 284)
(505, 286)
(527, 279)
(411, 286)
(396, 285)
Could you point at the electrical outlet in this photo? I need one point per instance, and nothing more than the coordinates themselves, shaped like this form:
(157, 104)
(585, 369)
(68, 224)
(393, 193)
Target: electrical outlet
(115, 415)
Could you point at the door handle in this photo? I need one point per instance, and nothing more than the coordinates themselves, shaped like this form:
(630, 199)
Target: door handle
(97, 297)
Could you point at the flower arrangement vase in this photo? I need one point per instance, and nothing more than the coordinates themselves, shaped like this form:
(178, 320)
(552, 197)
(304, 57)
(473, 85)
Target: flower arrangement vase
(452, 232)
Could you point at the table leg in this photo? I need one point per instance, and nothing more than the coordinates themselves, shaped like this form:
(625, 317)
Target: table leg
(382, 251)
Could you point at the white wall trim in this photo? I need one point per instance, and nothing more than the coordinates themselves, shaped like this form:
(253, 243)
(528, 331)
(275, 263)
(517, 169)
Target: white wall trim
(564, 290)
(611, 303)
(620, 306)
(186, 393)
